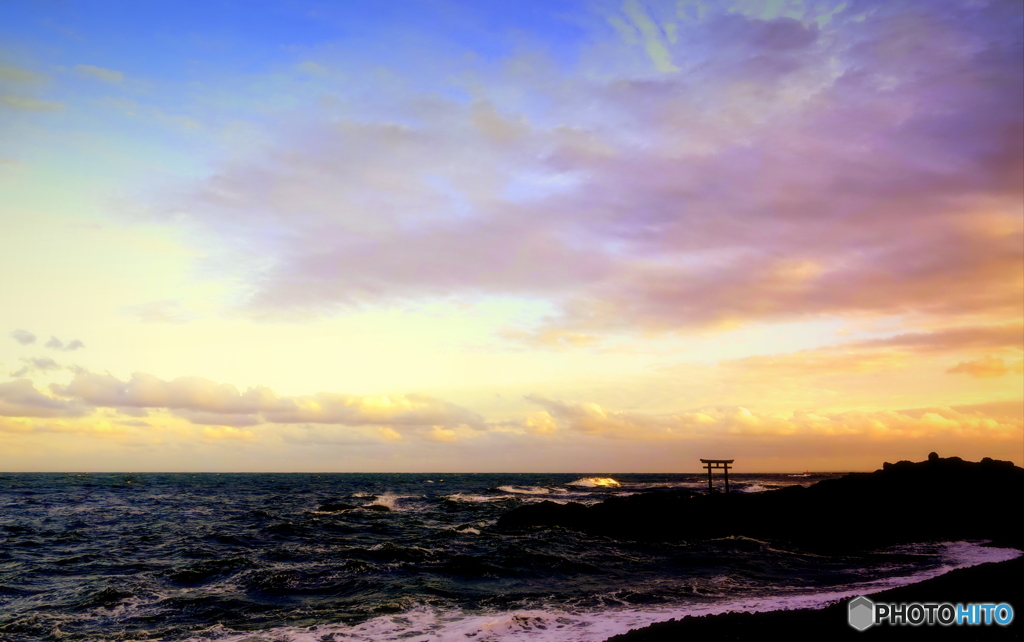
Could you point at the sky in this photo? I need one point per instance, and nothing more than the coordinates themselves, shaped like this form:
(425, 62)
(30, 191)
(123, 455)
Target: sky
(510, 236)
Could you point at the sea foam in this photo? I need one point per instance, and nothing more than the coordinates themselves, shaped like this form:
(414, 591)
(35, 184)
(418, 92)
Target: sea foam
(594, 482)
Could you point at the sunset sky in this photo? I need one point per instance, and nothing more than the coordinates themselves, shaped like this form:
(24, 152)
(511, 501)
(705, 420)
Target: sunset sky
(551, 235)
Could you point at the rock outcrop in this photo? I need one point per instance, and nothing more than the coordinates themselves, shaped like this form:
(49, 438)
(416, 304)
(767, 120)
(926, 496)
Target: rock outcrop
(937, 499)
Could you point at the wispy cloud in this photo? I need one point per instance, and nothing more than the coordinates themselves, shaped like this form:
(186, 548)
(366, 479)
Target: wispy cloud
(167, 311)
(99, 73)
(17, 74)
(27, 103)
(988, 367)
(894, 353)
(648, 33)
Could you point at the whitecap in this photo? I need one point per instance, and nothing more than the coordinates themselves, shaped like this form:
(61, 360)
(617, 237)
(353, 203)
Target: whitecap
(594, 482)
(752, 488)
(462, 497)
(388, 499)
(529, 490)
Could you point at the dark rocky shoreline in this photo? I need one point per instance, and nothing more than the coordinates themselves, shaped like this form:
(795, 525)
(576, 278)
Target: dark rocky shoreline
(940, 499)
(985, 583)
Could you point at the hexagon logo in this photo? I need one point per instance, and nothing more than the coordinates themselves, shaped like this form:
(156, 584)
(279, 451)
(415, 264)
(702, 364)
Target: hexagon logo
(862, 613)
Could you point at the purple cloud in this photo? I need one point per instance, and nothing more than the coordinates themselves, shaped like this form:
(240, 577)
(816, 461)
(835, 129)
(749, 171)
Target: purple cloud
(24, 337)
(56, 344)
(19, 398)
(36, 364)
(787, 171)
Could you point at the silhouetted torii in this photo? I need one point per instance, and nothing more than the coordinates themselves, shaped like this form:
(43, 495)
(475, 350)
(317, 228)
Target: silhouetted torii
(722, 464)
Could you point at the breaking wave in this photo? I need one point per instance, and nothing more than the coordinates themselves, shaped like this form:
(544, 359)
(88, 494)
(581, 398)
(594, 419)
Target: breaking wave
(595, 482)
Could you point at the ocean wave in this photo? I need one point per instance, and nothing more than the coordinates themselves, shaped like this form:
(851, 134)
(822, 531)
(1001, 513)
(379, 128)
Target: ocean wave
(595, 482)
(474, 499)
(529, 490)
(426, 624)
(389, 500)
(751, 488)
(251, 553)
(555, 623)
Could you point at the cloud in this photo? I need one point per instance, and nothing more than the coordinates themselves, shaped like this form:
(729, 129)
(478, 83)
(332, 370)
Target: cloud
(540, 423)
(167, 311)
(404, 410)
(135, 423)
(19, 398)
(217, 418)
(741, 423)
(190, 393)
(441, 435)
(788, 170)
(1003, 335)
(17, 74)
(312, 68)
(125, 410)
(651, 35)
(987, 367)
(222, 433)
(91, 428)
(318, 436)
(15, 425)
(889, 353)
(998, 409)
(207, 402)
(99, 73)
(36, 364)
(26, 103)
(552, 338)
(826, 361)
(56, 344)
(24, 337)
(139, 110)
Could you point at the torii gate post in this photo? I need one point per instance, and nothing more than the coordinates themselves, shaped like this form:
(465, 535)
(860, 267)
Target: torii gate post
(723, 464)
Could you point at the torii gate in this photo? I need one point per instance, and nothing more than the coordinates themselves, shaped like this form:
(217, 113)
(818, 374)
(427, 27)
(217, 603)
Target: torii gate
(722, 464)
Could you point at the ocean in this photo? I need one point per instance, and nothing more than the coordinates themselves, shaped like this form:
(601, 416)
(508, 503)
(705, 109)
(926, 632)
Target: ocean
(250, 558)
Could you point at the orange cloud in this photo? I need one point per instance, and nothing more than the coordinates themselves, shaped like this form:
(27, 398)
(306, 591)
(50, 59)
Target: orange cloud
(894, 353)
(221, 433)
(1002, 336)
(987, 367)
(207, 402)
(739, 422)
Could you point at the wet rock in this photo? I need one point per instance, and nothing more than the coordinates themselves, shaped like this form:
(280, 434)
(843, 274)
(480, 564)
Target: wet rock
(334, 507)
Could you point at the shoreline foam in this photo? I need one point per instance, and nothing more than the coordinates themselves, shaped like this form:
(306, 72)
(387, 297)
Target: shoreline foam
(997, 581)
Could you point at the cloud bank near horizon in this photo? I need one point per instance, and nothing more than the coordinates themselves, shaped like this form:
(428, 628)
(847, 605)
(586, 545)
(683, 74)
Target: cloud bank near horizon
(145, 402)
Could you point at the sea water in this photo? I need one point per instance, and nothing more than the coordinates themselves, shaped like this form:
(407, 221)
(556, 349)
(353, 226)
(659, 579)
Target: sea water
(250, 558)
